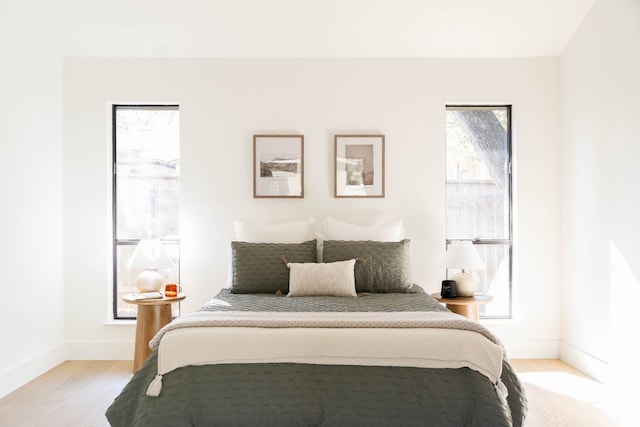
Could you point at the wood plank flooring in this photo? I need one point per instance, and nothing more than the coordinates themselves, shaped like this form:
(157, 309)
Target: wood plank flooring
(77, 393)
(560, 395)
(74, 393)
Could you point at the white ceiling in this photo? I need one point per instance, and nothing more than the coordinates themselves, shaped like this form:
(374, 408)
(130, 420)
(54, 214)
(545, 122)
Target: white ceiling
(310, 28)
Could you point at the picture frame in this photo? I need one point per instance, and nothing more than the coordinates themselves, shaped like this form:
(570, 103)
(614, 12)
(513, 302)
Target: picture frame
(278, 166)
(359, 166)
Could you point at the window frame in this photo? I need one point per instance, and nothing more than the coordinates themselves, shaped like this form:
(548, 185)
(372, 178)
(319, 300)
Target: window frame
(114, 206)
(508, 242)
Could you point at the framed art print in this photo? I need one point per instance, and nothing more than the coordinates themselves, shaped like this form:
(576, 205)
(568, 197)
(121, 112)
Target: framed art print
(278, 166)
(359, 165)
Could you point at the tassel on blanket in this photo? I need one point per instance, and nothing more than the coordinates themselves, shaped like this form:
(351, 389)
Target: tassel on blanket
(155, 387)
(502, 391)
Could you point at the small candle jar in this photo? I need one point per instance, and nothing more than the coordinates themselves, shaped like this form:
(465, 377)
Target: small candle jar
(171, 290)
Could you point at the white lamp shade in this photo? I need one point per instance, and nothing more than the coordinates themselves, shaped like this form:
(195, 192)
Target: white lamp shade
(150, 254)
(462, 255)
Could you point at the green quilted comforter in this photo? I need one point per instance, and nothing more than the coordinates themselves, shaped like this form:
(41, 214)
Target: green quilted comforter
(280, 394)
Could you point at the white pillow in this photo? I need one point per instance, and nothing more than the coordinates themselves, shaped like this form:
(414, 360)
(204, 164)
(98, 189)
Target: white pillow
(340, 230)
(287, 232)
(317, 279)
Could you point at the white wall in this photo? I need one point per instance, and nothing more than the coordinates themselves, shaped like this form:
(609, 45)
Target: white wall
(223, 102)
(601, 199)
(32, 332)
(58, 308)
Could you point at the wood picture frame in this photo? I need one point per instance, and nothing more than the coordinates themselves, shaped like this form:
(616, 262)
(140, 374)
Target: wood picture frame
(359, 166)
(278, 166)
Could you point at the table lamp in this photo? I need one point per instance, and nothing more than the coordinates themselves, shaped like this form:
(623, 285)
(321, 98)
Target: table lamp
(150, 255)
(462, 255)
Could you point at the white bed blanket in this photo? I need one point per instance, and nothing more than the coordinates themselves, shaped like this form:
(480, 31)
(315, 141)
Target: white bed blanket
(413, 339)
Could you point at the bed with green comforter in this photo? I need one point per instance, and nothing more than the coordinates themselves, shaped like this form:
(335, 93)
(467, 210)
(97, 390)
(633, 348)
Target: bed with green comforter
(311, 394)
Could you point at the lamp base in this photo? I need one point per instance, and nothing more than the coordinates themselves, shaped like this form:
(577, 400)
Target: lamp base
(149, 281)
(466, 284)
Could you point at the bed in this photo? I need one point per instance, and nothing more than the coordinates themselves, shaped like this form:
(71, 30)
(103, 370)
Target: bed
(350, 341)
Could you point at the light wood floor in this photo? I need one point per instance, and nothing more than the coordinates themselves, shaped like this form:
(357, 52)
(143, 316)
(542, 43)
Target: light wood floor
(77, 393)
(560, 395)
(74, 393)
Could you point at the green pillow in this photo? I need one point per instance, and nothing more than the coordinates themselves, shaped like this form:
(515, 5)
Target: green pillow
(258, 267)
(386, 266)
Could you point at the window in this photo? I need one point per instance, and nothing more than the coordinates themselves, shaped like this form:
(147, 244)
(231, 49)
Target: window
(146, 192)
(478, 195)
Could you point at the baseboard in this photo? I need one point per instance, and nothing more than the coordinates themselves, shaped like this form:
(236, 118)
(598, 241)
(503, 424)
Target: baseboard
(532, 349)
(100, 350)
(21, 374)
(585, 362)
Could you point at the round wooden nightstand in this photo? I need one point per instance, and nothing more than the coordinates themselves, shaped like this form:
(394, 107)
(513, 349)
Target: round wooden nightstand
(465, 306)
(153, 314)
